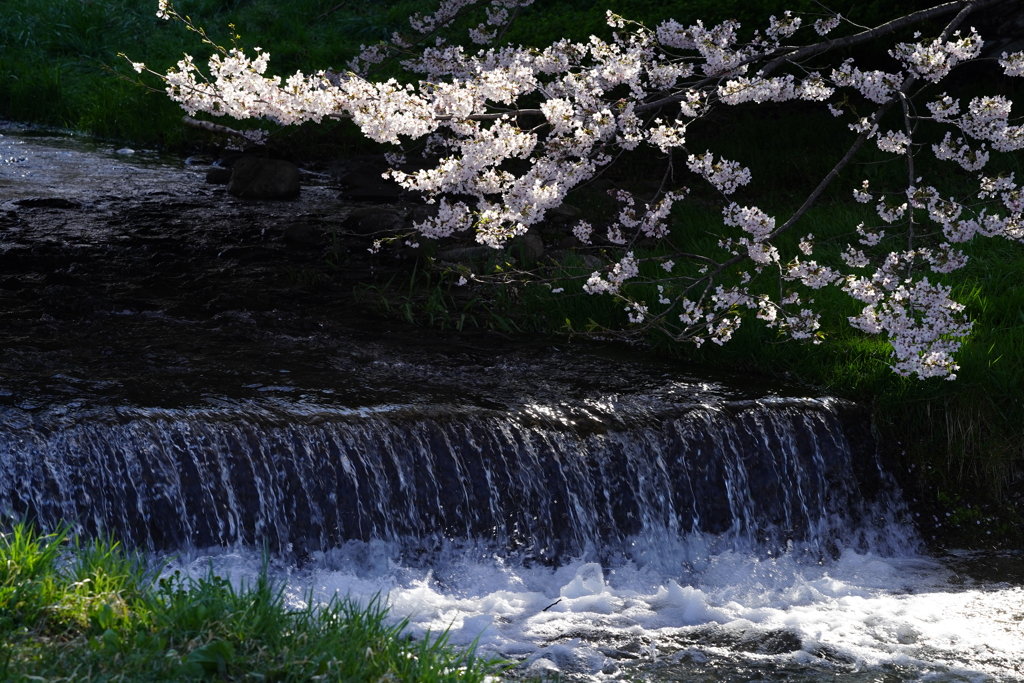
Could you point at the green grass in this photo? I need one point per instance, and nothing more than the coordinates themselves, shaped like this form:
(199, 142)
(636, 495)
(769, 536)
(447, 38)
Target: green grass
(91, 611)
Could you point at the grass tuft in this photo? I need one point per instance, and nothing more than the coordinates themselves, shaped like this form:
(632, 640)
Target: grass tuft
(92, 611)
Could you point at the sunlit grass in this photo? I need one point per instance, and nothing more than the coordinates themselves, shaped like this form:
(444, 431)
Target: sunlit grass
(89, 611)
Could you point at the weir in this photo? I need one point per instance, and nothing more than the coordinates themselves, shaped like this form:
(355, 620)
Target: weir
(544, 483)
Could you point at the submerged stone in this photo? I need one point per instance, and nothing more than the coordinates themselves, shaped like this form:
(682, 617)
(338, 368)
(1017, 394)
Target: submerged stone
(259, 178)
(218, 176)
(374, 220)
(48, 203)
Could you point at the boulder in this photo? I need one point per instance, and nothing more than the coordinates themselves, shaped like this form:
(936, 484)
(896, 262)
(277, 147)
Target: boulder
(260, 178)
(531, 246)
(474, 254)
(365, 184)
(369, 220)
(423, 212)
(564, 212)
(228, 160)
(218, 176)
(259, 151)
(362, 178)
(578, 260)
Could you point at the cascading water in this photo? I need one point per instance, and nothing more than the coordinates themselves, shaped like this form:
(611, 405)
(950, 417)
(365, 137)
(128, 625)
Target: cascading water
(581, 511)
(633, 536)
(547, 482)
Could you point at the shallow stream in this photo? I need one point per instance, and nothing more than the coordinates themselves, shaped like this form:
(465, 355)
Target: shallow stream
(167, 373)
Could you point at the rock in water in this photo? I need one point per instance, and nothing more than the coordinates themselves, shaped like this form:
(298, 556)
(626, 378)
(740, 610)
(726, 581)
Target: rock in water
(471, 254)
(302, 234)
(48, 203)
(218, 176)
(365, 184)
(259, 178)
(374, 220)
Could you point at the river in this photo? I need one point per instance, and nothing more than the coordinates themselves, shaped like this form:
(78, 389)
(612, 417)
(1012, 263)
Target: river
(169, 374)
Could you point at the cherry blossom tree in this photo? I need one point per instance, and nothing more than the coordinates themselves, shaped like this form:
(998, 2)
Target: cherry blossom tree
(570, 109)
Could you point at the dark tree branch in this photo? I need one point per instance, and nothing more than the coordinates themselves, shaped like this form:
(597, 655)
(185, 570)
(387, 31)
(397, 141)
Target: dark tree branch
(790, 55)
(210, 127)
(965, 7)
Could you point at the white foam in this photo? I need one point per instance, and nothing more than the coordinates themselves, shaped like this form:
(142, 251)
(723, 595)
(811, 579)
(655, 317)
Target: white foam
(857, 613)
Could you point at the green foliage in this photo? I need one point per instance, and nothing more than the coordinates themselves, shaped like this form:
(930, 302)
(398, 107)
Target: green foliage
(92, 611)
(69, 50)
(432, 299)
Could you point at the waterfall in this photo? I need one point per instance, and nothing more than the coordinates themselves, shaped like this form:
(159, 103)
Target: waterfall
(543, 482)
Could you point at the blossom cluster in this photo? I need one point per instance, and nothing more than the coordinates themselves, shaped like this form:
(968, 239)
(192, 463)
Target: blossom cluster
(591, 100)
(922, 320)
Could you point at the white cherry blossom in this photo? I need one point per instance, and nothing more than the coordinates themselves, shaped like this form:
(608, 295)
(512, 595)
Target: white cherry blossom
(895, 142)
(824, 26)
(563, 112)
(1013, 64)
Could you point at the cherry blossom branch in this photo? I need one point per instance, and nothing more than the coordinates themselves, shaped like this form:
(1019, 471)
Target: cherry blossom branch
(425, 36)
(965, 7)
(812, 198)
(911, 176)
(600, 99)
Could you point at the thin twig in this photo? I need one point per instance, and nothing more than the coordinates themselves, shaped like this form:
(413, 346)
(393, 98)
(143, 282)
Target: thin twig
(331, 11)
(424, 36)
(508, 24)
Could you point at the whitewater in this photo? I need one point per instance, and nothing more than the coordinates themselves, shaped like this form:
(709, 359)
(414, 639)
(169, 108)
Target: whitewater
(729, 615)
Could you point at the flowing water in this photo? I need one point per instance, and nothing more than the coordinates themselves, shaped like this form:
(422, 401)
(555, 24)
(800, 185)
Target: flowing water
(577, 508)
